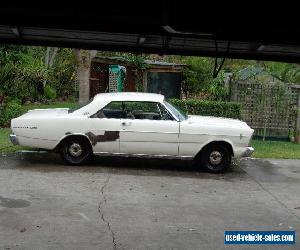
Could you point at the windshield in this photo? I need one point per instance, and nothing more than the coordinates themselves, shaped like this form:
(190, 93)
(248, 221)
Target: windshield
(176, 111)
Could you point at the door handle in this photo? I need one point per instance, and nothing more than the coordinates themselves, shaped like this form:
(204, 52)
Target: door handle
(126, 123)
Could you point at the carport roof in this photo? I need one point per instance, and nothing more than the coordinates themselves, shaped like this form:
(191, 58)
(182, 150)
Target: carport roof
(248, 31)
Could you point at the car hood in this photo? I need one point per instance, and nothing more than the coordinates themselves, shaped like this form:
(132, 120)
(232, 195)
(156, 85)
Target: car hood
(218, 121)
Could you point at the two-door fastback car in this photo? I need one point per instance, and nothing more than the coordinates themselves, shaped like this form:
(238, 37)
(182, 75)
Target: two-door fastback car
(137, 124)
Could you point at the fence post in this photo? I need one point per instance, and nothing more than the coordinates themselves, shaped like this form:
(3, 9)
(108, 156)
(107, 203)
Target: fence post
(233, 91)
(297, 130)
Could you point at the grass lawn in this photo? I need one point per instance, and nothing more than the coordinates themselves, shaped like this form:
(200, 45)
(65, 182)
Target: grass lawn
(276, 149)
(5, 145)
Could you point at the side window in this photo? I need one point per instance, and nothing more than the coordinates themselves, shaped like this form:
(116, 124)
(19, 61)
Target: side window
(134, 110)
(112, 110)
(145, 110)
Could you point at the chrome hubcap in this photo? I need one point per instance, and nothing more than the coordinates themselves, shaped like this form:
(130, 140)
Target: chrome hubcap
(215, 157)
(75, 149)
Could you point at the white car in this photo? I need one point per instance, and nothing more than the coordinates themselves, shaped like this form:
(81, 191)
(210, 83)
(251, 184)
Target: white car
(136, 124)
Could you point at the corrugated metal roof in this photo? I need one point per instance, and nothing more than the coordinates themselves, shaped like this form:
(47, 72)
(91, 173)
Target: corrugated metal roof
(117, 59)
(163, 63)
(253, 71)
(250, 72)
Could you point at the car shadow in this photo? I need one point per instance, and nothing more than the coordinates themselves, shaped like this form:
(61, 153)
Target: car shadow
(50, 162)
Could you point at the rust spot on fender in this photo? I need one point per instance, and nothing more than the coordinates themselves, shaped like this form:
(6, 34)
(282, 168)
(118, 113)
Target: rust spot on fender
(108, 136)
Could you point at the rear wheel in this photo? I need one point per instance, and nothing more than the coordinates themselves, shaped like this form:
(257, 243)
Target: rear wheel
(215, 158)
(76, 151)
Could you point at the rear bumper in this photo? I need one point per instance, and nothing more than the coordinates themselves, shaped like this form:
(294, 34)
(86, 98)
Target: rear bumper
(14, 139)
(248, 152)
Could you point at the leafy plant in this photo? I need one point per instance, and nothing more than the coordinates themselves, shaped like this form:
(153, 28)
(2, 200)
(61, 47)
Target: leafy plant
(62, 77)
(23, 73)
(198, 79)
(49, 92)
(9, 111)
(12, 54)
(209, 108)
(138, 61)
(286, 72)
(198, 73)
(217, 88)
(12, 83)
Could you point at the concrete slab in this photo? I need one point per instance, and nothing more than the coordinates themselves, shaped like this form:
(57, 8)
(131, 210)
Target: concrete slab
(129, 203)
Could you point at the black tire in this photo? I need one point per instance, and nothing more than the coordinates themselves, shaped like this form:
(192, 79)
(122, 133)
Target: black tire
(215, 158)
(76, 151)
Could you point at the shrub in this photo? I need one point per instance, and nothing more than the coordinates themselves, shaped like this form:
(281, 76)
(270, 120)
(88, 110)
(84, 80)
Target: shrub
(209, 108)
(9, 111)
(49, 92)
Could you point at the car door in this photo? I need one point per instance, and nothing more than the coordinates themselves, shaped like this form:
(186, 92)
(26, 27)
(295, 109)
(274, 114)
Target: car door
(105, 129)
(148, 129)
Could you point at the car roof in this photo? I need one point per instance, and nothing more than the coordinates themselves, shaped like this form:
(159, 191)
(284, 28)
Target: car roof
(101, 100)
(130, 96)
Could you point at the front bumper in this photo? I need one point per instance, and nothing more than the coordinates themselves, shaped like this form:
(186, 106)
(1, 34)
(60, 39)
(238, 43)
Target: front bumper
(248, 152)
(14, 139)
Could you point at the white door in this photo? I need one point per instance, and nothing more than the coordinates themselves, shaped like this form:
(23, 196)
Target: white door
(148, 129)
(105, 129)
(105, 135)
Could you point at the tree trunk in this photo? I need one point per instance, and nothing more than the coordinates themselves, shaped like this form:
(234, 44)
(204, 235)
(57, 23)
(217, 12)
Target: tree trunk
(50, 56)
(47, 56)
(83, 65)
(83, 75)
(49, 59)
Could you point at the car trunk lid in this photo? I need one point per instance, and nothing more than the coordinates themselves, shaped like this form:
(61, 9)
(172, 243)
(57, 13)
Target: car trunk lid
(45, 113)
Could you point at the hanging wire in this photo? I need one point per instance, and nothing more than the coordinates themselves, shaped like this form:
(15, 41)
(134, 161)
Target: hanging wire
(216, 68)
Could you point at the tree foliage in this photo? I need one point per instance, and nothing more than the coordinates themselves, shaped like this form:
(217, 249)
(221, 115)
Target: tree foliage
(24, 72)
(198, 74)
(209, 108)
(198, 78)
(286, 72)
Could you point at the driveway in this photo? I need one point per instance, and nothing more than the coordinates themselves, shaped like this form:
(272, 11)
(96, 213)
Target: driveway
(142, 204)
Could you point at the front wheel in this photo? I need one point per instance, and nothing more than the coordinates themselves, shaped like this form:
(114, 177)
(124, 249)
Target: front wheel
(215, 158)
(76, 151)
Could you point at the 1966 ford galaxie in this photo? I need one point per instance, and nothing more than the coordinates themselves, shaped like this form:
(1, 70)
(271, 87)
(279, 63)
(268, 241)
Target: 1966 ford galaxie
(137, 124)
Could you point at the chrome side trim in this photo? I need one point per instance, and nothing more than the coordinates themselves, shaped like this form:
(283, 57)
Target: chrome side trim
(179, 133)
(35, 138)
(211, 135)
(144, 131)
(167, 142)
(145, 155)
